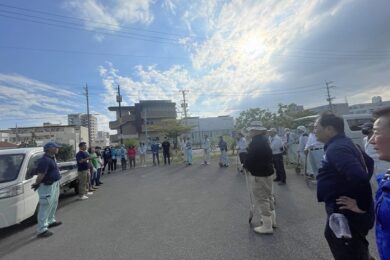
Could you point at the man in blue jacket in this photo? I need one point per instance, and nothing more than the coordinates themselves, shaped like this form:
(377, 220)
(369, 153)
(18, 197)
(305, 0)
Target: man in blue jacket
(381, 142)
(343, 178)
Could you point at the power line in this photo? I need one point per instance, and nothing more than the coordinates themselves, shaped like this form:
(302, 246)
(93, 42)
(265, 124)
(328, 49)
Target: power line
(90, 20)
(92, 53)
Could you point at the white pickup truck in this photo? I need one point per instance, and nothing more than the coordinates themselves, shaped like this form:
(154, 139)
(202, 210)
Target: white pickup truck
(18, 201)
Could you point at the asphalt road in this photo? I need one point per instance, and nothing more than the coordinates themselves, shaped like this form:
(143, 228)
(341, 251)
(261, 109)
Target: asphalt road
(176, 212)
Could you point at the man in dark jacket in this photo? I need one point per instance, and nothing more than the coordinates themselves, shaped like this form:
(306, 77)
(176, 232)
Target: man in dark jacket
(166, 145)
(259, 164)
(342, 177)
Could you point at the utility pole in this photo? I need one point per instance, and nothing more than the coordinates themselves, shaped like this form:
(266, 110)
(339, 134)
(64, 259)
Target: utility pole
(88, 118)
(119, 100)
(184, 105)
(330, 98)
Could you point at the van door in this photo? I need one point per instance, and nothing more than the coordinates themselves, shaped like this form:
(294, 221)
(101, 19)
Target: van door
(31, 197)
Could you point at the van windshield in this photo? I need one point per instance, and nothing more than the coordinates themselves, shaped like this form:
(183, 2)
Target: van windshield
(9, 166)
(355, 124)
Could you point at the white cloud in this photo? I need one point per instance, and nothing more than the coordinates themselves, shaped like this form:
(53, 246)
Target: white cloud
(32, 101)
(111, 15)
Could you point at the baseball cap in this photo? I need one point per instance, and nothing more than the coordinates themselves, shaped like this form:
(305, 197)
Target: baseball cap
(51, 145)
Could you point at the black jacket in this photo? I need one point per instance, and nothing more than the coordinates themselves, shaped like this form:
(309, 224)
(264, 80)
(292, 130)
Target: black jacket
(259, 158)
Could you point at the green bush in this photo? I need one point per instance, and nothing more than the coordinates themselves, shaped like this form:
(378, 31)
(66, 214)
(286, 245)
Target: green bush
(131, 142)
(65, 153)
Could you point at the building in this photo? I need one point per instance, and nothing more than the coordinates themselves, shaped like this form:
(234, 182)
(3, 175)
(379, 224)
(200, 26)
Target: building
(213, 127)
(339, 109)
(4, 136)
(102, 139)
(135, 120)
(39, 135)
(82, 120)
(368, 108)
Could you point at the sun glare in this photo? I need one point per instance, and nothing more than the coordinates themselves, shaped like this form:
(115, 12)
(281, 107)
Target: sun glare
(252, 47)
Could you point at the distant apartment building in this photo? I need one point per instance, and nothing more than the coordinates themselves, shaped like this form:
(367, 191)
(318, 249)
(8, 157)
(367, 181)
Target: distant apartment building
(102, 139)
(213, 127)
(80, 119)
(368, 108)
(136, 119)
(62, 134)
(339, 109)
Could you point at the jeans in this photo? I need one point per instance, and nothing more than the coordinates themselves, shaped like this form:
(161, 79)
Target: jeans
(123, 163)
(279, 167)
(167, 156)
(156, 156)
(98, 173)
(132, 162)
(48, 202)
(93, 177)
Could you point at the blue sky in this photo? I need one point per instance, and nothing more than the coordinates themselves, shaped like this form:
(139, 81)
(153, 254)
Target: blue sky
(229, 55)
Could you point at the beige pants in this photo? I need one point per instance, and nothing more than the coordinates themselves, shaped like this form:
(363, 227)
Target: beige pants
(83, 178)
(262, 188)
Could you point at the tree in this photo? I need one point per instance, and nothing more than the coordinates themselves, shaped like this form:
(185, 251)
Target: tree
(65, 153)
(284, 117)
(171, 128)
(254, 114)
(288, 113)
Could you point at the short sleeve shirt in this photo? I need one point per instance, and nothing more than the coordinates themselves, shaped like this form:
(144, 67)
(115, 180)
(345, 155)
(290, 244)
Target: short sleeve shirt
(83, 166)
(48, 166)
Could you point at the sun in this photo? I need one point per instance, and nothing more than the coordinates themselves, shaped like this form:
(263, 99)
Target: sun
(252, 47)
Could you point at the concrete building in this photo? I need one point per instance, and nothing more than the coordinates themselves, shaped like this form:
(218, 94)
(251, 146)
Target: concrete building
(368, 108)
(211, 126)
(62, 134)
(82, 120)
(4, 136)
(339, 109)
(136, 119)
(102, 139)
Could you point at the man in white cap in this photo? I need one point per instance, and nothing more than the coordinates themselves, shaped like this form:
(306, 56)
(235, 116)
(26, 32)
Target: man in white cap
(48, 185)
(259, 164)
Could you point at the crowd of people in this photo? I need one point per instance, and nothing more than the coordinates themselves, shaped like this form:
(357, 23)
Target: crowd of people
(343, 180)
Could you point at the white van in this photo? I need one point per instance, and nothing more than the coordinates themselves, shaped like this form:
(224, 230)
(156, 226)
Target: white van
(352, 129)
(352, 125)
(18, 201)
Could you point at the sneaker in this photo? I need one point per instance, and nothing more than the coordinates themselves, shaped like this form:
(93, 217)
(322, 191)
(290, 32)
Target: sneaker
(83, 197)
(282, 183)
(90, 193)
(46, 233)
(54, 224)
